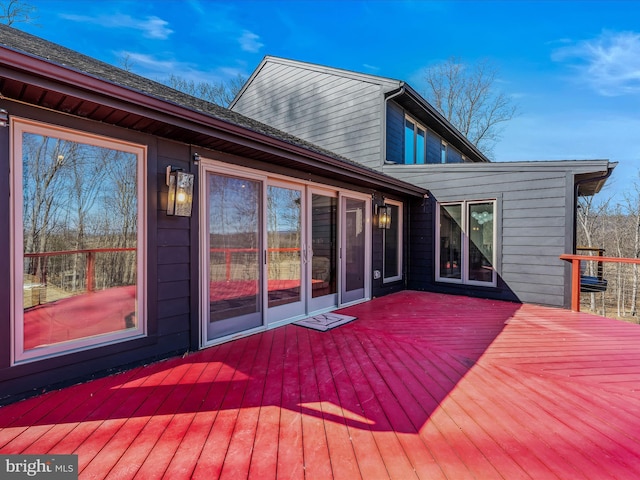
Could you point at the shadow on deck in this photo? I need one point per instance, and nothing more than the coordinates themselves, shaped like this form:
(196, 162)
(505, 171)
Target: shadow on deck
(422, 385)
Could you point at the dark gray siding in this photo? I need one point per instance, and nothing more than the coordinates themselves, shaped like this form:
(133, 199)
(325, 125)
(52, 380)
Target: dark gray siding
(395, 133)
(343, 115)
(535, 224)
(434, 148)
(453, 156)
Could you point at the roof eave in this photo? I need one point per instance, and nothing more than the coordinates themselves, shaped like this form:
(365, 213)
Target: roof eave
(75, 80)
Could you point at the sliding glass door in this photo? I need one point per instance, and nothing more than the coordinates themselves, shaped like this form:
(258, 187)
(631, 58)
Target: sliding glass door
(234, 255)
(355, 248)
(322, 251)
(286, 253)
(274, 251)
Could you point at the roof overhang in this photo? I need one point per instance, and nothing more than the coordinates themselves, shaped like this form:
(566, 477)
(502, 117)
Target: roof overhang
(424, 112)
(589, 176)
(42, 83)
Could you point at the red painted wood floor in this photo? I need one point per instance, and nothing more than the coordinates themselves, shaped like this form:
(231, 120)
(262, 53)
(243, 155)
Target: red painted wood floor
(420, 386)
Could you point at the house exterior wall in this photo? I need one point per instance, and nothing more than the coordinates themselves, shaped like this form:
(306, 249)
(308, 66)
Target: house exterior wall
(339, 113)
(535, 203)
(534, 227)
(167, 265)
(172, 265)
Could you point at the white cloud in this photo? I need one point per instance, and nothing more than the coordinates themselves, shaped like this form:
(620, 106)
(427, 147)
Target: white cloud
(610, 63)
(151, 27)
(371, 68)
(250, 42)
(147, 63)
(161, 69)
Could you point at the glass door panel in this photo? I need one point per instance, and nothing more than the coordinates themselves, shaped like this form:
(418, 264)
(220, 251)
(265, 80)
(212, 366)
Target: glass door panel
(284, 252)
(234, 261)
(354, 249)
(450, 242)
(481, 241)
(323, 252)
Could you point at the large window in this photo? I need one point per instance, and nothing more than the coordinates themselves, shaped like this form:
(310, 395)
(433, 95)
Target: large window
(466, 246)
(392, 240)
(78, 230)
(415, 142)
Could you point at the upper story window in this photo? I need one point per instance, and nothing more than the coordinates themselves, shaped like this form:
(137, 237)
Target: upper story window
(411, 143)
(415, 142)
(78, 240)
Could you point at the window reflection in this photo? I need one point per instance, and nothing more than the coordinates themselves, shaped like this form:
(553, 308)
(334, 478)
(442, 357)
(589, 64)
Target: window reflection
(79, 238)
(481, 242)
(284, 230)
(234, 240)
(450, 241)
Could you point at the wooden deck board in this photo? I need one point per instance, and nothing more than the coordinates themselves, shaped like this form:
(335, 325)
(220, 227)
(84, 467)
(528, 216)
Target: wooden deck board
(422, 385)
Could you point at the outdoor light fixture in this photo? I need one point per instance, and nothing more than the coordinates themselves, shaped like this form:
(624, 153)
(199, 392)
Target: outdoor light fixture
(4, 117)
(383, 214)
(180, 196)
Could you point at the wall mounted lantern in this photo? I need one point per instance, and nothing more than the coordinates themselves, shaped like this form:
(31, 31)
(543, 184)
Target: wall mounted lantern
(180, 196)
(383, 216)
(4, 118)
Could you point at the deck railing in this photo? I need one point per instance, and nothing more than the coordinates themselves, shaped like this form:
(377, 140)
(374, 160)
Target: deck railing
(50, 276)
(609, 284)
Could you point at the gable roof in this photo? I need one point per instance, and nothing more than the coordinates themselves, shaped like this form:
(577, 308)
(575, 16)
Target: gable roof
(401, 92)
(48, 75)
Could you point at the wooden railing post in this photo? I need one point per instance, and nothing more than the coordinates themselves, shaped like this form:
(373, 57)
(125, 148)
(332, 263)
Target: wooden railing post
(575, 285)
(91, 259)
(227, 260)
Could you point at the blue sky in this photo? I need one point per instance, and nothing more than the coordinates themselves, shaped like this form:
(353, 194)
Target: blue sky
(573, 68)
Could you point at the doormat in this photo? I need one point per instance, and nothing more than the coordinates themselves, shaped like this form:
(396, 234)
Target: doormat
(325, 321)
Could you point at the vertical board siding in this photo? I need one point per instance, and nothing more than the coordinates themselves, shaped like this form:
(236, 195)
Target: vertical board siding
(434, 148)
(341, 114)
(5, 246)
(395, 135)
(534, 221)
(453, 155)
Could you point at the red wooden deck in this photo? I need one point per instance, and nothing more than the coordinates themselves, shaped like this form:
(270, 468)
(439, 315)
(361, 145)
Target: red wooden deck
(420, 386)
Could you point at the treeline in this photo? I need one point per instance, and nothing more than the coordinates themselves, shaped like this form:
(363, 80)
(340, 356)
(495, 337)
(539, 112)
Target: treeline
(613, 226)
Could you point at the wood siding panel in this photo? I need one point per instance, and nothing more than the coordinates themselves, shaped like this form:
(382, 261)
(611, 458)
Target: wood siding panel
(395, 133)
(340, 114)
(434, 148)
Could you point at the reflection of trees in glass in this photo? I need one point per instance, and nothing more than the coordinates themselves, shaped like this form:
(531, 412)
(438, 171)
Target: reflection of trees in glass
(450, 240)
(234, 212)
(283, 231)
(78, 196)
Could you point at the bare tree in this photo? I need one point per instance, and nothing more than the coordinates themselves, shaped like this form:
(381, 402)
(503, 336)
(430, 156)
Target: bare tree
(633, 209)
(221, 93)
(467, 96)
(16, 11)
(126, 63)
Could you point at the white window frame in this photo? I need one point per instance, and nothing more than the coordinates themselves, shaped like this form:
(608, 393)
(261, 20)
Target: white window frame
(465, 248)
(416, 125)
(398, 222)
(19, 126)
